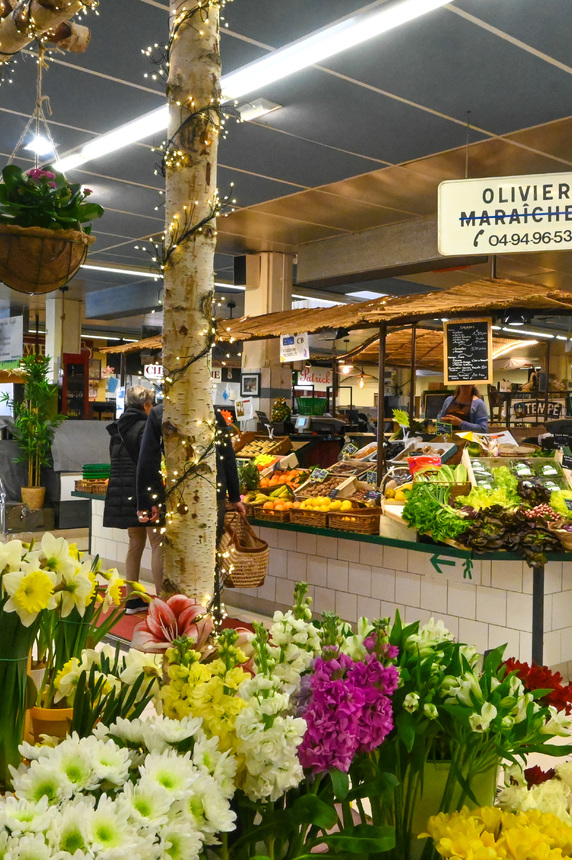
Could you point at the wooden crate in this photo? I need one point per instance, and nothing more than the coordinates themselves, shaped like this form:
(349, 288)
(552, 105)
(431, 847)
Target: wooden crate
(279, 445)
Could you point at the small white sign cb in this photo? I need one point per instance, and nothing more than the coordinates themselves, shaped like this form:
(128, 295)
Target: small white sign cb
(294, 347)
(501, 215)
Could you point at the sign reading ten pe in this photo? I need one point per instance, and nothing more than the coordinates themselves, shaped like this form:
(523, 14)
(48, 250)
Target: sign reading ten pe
(501, 215)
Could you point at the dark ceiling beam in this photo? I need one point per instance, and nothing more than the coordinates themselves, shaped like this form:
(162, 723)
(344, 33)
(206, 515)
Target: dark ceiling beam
(125, 301)
(384, 252)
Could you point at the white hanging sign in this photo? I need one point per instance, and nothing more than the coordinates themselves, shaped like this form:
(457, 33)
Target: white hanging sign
(501, 215)
(315, 376)
(154, 372)
(294, 347)
(11, 339)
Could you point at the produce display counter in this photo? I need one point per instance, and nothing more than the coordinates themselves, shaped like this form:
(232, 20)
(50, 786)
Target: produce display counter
(487, 599)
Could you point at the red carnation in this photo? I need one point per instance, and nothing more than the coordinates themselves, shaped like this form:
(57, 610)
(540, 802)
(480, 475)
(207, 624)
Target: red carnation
(535, 775)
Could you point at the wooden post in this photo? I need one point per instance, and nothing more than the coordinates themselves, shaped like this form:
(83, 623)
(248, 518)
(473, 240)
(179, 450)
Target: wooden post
(190, 161)
(547, 382)
(412, 371)
(381, 404)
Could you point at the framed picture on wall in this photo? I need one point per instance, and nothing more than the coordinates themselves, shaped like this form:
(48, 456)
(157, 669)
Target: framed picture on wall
(250, 385)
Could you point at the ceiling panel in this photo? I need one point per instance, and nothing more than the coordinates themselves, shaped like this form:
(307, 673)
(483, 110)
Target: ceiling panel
(411, 63)
(315, 207)
(332, 111)
(554, 138)
(540, 25)
(394, 187)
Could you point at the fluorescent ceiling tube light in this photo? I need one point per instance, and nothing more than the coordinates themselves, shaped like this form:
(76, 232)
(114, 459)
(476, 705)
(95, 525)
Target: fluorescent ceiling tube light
(531, 333)
(40, 145)
(257, 108)
(367, 294)
(118, 271)
(279, 64)
(322, 44)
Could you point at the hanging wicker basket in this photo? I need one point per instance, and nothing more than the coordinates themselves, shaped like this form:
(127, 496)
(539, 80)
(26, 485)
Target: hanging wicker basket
(35, 260)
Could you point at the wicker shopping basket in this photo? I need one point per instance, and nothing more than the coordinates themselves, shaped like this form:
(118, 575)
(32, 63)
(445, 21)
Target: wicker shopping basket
(245, 555)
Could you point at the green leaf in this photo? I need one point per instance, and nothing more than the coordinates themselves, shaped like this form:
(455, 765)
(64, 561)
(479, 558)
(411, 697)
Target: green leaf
(382, 785)
(309, 809)
(340, 783)
(89, 211)
(405, 725)
(363, 839)
(13, 176)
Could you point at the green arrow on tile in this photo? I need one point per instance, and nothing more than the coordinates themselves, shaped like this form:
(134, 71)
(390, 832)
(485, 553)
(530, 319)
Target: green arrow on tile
(436, 561)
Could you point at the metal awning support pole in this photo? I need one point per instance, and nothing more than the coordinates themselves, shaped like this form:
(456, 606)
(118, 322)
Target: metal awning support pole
(547, 383)
(412, 372)
(122, 369)
(334, 385)
(381, 403)
(538, 615)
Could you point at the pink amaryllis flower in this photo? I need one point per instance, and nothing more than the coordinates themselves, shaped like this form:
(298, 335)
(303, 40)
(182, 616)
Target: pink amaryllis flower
(167, 620)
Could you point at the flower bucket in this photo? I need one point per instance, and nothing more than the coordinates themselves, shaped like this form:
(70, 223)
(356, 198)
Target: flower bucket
(36, 260)
(50, 721)
(435, 774)
(33, 497)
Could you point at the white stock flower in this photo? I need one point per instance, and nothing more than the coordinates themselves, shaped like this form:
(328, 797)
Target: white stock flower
(411, 702)
(481, 722)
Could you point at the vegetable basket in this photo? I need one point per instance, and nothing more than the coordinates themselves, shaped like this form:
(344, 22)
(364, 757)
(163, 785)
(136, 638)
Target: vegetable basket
(364, 521)
(312, 405)
(563, 536)
(318, 519)
(262, 513)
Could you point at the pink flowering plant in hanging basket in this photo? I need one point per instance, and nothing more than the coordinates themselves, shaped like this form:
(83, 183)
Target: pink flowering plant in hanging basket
(42, 197)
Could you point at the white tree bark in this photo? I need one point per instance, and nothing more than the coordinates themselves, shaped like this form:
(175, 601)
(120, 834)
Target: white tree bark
(27, 21)
(189, 281)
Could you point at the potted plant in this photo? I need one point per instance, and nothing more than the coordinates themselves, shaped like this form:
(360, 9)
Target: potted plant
(44, 229)
(35, 421)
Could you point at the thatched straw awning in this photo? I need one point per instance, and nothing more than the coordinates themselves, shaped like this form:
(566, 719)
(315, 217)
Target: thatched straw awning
(478, 297)
(428, 349)
(155, 342)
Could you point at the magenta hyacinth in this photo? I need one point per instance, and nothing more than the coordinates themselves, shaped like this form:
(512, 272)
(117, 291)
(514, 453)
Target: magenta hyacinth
(349, 710)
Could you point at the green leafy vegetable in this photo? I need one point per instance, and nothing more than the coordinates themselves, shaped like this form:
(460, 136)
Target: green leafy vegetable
(426, 510)
(495, 528)
(558, 502)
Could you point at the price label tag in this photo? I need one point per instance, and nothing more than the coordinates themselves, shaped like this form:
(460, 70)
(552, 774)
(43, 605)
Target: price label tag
(319, 475)
(373, 495)
(444, 429)
(568, 503)
(566, 458)
(349, 449)
(371, 477)
(562, 439)
(333, 494)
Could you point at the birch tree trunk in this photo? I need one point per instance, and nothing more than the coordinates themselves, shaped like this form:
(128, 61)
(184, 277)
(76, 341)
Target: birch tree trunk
(189, 541)
(28, 20)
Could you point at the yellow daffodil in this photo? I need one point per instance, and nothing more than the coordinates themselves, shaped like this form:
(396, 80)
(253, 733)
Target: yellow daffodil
(55, 555)
(11, 554)
(30, 591)
(113, 594)
(75, 590)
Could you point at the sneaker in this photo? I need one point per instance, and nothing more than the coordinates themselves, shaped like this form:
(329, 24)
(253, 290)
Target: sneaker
(135, 605)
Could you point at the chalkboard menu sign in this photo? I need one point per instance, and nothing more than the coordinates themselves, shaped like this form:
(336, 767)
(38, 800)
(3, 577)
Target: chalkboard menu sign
(468, 351)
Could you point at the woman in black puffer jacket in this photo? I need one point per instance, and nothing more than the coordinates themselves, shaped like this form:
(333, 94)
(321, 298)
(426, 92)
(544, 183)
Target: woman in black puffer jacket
(120, 511)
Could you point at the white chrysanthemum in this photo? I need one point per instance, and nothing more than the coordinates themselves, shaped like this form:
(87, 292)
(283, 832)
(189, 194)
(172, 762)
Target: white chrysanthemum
(39, 780)
(33, 752)
(180, 843)
(208, 809)
(110, 762)
(74, 758)
(159, 734)
(11, 554)
(145, 804)
(129, 731)
(174, 772)
(222, 766)
(564, 772)
(71, 830)
(30, 847)
(21, 816)
(109, 834)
